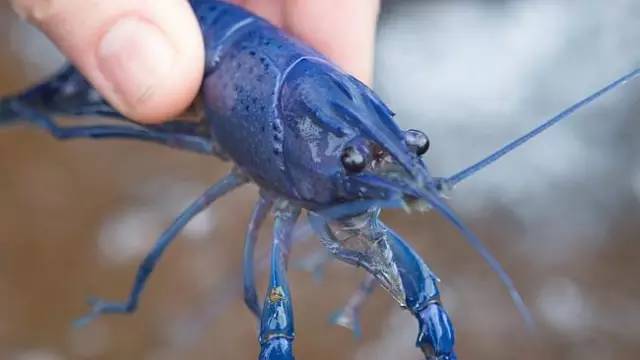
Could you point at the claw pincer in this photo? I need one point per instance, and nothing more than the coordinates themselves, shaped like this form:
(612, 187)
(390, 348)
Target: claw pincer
(436, 336)
(367, 242)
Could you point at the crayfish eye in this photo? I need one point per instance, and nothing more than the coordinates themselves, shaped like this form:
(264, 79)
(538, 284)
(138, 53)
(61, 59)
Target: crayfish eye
(353, 160)
(417, 141)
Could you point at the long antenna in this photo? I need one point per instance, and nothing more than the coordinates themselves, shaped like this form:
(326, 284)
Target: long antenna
(440, 206)
(461, 175)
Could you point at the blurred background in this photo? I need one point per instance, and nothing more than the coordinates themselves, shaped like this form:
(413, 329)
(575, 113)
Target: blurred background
(561, 213)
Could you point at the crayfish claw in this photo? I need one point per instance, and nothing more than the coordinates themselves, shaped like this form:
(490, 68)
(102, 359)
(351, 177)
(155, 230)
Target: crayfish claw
(436, 335)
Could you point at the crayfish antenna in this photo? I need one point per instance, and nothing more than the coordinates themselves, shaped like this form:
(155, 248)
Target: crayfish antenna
(481, 249)
(465, 173)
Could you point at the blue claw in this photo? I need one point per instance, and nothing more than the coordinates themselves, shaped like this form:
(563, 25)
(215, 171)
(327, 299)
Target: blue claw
(436, 336)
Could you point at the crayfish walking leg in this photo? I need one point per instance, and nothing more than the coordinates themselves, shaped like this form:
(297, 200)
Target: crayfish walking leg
(276, 328)
(222, 187)
(260, 211)
(349, 315)
(69, 94)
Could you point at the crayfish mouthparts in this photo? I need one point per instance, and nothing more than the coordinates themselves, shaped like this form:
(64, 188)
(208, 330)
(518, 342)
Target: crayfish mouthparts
(361, 241)
(411, 203)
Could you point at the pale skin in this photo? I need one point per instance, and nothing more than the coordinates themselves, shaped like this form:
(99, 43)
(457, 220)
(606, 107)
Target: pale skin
(146, 56)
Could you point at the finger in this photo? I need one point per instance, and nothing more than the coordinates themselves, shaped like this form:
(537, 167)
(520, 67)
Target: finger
(342, 30)
(272, 10)
(145, 56)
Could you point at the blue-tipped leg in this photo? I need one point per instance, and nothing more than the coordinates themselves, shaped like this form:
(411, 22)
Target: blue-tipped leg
(132, 131)
(349, 315)
(68, 93)
(100, 307)
(258, 216)
(347, 319)
(276, 329)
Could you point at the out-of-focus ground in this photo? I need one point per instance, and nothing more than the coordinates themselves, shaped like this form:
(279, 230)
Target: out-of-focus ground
(561, 214)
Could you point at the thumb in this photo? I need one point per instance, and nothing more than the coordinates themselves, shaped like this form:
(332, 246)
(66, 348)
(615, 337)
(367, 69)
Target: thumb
(145, 56)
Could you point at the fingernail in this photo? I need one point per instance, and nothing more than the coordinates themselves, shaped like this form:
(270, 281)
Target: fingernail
(134, 56)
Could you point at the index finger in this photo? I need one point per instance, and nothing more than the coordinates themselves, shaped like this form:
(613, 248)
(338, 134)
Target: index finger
(145, 56)
(342, 30)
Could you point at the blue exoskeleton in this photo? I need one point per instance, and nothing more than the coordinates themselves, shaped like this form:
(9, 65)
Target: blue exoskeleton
(312, 138)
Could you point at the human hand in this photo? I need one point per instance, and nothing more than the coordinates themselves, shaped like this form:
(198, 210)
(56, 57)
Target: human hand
(146, 56)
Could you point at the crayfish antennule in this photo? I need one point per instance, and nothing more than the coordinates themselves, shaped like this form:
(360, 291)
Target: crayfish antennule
(419, 205)
(444, 187)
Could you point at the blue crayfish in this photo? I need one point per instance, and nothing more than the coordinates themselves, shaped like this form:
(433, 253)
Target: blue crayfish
(311, 137)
